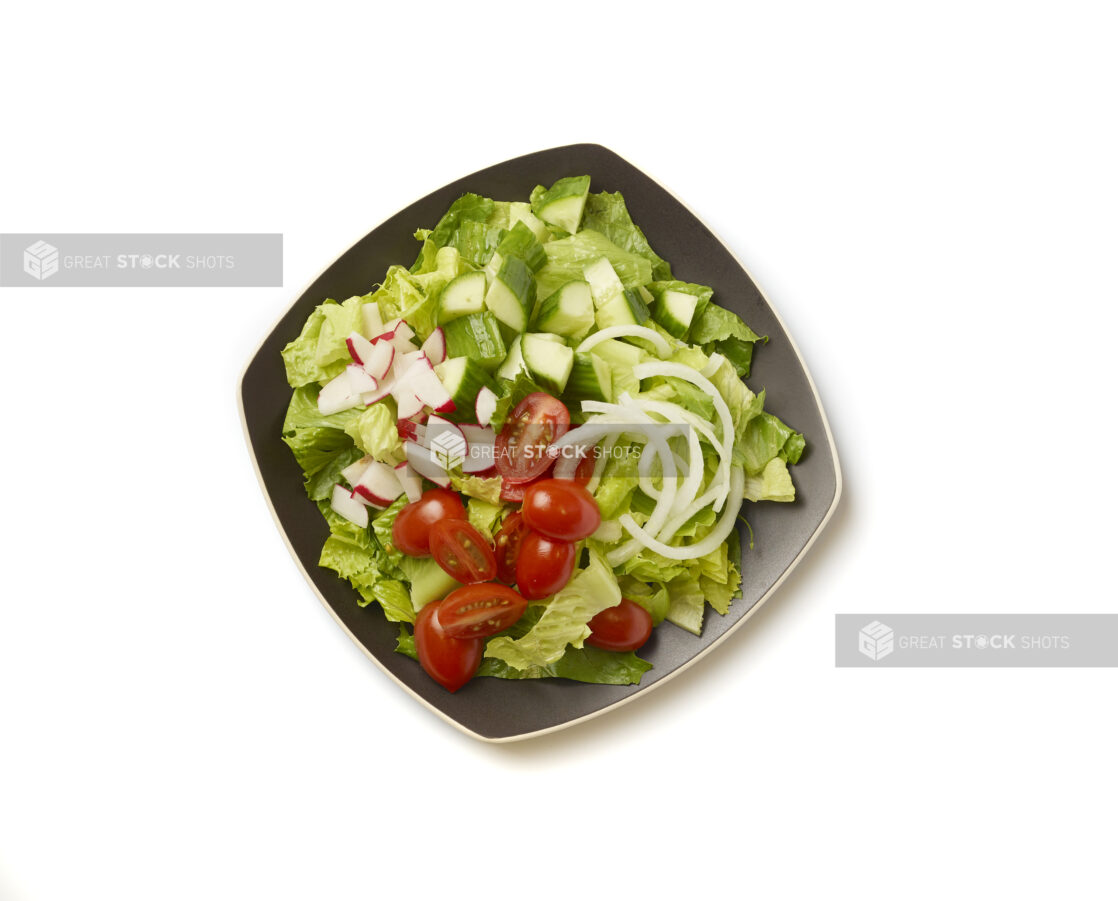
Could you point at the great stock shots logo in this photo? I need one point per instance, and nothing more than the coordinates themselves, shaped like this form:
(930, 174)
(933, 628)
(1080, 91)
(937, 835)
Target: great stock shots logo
(40, 260)
(876, 640)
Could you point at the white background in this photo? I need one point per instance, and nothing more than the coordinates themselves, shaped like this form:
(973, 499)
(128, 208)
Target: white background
(927, 193)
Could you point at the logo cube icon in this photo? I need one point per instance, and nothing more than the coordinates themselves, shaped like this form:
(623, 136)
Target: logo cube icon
(40, 260)
(876, 640)
(448, 447)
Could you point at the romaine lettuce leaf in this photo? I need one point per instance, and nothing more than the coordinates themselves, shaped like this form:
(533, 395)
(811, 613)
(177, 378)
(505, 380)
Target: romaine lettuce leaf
(302, 413)
(765, 437)
(320, 352)
(718, 329)
(485, 489)
(322, 454)
(773, 484)
(484, 516)
(374, 432)
(401, 296)
(686, 604)
(567, 256)
(563, 621)
(606, 213)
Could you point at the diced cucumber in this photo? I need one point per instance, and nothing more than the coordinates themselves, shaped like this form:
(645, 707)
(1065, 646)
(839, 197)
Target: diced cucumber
(463, 378)
(549, 363)
(591, 379)
(514, 362)
(512, 293)
(569, 311)
(520, 242)
(429, 581)
(604, 283)
(562, 204)
(465, 294)
(548, 336)
(628, 309)
(477, 336)
(675, 310)
(522, 212)
(622, 358)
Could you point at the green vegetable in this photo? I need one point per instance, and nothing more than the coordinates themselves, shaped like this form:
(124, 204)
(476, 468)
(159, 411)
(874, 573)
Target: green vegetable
(374, 432)
(566, 258)
(563, 621)
(561, 205)
(607, 213)
(320, 352)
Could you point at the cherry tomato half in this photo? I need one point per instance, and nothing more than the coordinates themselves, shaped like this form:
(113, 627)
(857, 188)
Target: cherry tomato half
(560, 508)
(521, 448)
(507, 546)
(624, 627)
(478, 611)
(451, 662)
(411, 532)
(585, 471)
(543, 565)
(462, 551)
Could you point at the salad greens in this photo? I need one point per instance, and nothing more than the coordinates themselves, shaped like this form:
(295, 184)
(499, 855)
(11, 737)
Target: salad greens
(566, 292)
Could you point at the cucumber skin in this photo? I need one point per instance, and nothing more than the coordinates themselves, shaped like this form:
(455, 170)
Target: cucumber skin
(550, 312)
(516, 280)
(443, 314)
(668, 321)
(474, 378)
(541, 378)
(478, 336)
(522, 244)
(585, 382)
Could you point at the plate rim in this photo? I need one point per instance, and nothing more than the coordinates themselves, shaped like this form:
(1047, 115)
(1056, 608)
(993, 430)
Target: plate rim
(522, 736)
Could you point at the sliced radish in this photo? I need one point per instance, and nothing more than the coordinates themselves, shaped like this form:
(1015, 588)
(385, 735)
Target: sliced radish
(385, 387)
(378, 363)
(402, 362)
(427, 387)
(409, 481)
(378, 484)
(337, 396)
(446, 440)
(349, 507)
(370, 317)
(424, 464)
(360, 382)
(412, 430)
(480, 441)
(402, 330)
(360, 348)
(435, 347)
(407, 404)
(353, 472)
(485, 405)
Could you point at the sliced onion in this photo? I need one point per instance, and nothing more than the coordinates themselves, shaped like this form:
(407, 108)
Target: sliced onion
(713, 365)
(678, 370)
(628, 331)
(711, 542)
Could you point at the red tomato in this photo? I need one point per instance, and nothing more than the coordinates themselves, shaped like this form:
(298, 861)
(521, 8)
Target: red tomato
(462, 551)
(478, 611)
(560, 508)
(451, 662)
(521, 448)
(543, 565)
(507, 546)
(411, 532)
(585, 471)
(622, 628)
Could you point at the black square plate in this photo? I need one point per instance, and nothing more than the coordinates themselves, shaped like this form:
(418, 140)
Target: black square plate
(498, 709)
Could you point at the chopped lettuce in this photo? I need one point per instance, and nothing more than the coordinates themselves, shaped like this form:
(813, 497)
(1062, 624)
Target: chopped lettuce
(484, 516)
(719, 329)
(606, 213)
(774, 483)
(485, 489)
(320, 352)
(322, 454)
(564, 618)
(375, 433)
(686, 604)
(566, 258)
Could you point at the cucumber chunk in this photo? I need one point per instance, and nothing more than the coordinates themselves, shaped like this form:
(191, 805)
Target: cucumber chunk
(604, 283)
(522, 212)
(463, 378)
(549, 363)
(568, 312)
(477, 336)
(464, 295)
(520, 242)
(511, 294)
(562, 204)
(675, 311)
(591, 379)
(628, 309)
(514, 362)
(429, 581)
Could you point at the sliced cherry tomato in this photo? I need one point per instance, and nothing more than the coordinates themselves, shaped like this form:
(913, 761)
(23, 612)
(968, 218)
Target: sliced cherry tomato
(585, 471)
(411, 532)
(561, 509)
(507, 546)
(624, 627)
(478, 611)
(451, 662)
(534, 424)
(462, 551)
(543, 565)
